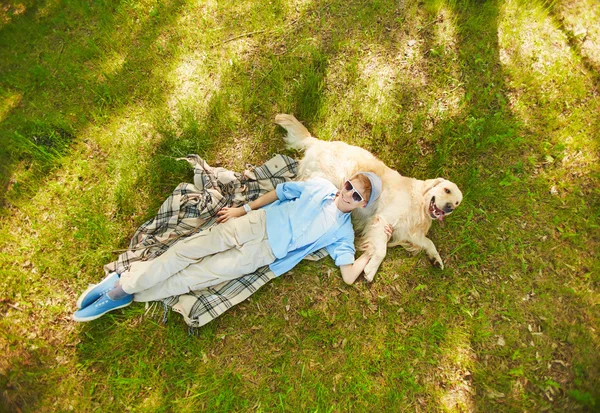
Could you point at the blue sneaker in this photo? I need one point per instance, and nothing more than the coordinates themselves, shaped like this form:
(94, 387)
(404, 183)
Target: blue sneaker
(94, 291)
(101, 306)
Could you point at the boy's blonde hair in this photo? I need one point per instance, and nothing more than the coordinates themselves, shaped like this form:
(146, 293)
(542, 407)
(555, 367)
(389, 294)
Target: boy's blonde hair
(366, 183)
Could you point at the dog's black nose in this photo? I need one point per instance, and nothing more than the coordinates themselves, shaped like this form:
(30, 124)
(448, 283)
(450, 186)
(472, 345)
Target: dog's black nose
(448, 208)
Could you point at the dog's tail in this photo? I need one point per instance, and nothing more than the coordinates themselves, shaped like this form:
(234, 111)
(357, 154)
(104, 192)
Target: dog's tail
(298, 137)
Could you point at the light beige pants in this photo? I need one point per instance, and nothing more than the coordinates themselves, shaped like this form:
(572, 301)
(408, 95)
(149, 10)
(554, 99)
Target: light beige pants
(222, 253)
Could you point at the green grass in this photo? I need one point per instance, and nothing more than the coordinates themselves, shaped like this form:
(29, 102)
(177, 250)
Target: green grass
(97, 99)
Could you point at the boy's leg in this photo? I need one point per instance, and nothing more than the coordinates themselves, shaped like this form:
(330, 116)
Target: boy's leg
(212, 270)
(142, 275)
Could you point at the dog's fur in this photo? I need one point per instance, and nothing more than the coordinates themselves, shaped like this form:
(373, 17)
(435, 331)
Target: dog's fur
(409, 205)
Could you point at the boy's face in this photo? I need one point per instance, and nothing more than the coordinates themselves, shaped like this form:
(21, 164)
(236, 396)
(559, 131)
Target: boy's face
(346, 201)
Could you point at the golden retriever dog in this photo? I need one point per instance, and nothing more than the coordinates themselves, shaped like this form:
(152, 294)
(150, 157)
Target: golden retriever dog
(409, 205)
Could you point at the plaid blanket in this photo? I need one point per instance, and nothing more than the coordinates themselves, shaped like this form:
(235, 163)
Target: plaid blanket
(192, 208)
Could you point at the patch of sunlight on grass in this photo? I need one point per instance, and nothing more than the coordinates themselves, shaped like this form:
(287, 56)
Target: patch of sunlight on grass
(452, 382)
(378, 75)
(445, 30)
(548, 89)
(581, 19)
(194, 80)
(7, 103)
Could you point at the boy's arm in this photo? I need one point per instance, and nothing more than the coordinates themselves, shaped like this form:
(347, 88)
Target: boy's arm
(351, 272)
(224, 214)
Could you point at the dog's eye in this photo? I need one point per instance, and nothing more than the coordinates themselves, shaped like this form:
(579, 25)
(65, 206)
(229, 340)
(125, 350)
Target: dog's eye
(446, 190)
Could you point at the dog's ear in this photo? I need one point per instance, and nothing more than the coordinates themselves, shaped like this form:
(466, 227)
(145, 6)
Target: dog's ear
(429, 184)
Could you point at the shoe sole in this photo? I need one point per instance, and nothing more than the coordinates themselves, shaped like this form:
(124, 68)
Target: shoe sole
(90, 318)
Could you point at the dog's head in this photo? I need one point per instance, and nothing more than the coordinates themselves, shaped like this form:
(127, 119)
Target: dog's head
(441, 197)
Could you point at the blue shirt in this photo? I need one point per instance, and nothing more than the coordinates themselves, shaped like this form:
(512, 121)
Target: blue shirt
(289, 217)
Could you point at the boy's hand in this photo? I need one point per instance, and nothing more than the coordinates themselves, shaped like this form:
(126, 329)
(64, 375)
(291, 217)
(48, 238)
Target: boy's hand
(388, 229)
(225, 213)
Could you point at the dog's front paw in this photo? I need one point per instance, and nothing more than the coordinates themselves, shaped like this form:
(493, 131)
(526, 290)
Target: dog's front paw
(370, 271)
(369, 276)
(437, 262)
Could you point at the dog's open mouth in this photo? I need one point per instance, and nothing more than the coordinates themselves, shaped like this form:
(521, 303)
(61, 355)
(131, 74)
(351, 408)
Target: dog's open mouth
(434, 211)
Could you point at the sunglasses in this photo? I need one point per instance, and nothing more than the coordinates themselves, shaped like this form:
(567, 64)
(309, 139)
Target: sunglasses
(356, 196)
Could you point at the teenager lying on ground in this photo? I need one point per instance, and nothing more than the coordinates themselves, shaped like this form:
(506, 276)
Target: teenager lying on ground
(301, 217)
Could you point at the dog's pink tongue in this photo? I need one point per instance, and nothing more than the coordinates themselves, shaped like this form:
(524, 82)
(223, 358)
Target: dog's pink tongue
(441, 217)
